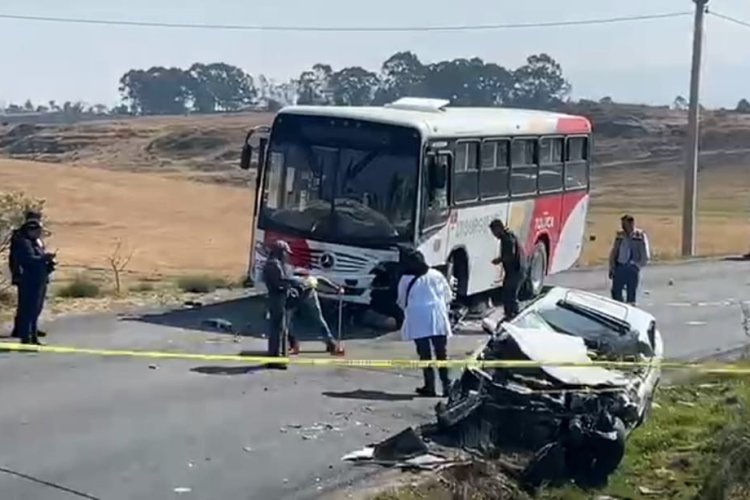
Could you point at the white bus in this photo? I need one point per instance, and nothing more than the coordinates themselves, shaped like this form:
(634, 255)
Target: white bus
(345, 186)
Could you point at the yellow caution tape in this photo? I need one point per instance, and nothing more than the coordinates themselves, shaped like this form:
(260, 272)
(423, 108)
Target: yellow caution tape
(376, 363)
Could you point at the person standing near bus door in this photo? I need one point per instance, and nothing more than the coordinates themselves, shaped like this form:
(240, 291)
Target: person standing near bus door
(424, 295)
(630, 252)
(513, 260)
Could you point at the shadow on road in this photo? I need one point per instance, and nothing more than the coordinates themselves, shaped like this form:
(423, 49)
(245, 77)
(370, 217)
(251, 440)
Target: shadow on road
(246, 317)
(227, 370)
(738, 258)
(363, 395)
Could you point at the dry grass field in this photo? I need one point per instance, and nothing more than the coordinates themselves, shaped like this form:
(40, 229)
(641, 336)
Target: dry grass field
(654, 196)
(175, 226)
(134, 180)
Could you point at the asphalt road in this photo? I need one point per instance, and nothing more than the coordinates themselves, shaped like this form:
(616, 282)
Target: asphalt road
(122, 428)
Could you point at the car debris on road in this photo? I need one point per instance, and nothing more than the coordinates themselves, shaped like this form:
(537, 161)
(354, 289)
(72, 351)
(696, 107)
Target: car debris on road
(547, 424)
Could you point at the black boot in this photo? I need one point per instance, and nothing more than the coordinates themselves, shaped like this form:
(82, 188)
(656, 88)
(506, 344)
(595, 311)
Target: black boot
(428, 389)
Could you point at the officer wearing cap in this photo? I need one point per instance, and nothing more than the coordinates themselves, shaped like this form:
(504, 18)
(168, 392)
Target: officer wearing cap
(35, 266)
(15, 268)
(630, 252)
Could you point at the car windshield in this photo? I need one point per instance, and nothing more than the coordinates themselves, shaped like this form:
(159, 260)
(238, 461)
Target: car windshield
(570, 319)
(341, 180)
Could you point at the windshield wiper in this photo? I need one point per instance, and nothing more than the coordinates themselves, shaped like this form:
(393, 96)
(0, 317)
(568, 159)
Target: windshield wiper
(620, 326)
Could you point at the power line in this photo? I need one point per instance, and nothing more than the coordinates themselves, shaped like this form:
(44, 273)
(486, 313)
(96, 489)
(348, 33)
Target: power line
(240, 27)
(730, 19)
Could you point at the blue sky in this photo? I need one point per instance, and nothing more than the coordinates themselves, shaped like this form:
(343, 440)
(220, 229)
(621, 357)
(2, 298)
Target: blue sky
(644, 62)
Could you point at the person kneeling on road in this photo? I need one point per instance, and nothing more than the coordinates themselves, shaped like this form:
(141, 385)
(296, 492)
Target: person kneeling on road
(424, 295)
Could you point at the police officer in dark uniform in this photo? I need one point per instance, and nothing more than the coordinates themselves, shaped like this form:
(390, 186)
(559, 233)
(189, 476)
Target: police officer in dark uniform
(35, 265)
(514, 266)
(15, 268)
(277, 280)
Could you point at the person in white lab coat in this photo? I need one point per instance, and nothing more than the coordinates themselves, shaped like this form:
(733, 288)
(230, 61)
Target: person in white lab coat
(424, 295)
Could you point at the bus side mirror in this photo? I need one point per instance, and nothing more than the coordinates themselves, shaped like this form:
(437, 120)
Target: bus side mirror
(247, 155)
(246, 158)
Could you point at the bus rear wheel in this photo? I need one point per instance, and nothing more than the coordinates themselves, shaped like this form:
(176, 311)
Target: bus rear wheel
(537, 271)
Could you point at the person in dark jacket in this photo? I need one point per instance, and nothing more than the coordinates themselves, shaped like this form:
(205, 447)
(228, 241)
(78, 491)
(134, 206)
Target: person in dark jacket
(15, 268)
(276, 278)
(35, 267)
(514, 266)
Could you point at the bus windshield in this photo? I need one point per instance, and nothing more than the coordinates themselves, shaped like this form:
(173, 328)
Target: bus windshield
(341, 181)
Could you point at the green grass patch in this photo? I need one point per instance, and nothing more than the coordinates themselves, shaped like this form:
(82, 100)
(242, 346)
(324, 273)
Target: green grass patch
(80, 287)
(201, 283)
(695, 446)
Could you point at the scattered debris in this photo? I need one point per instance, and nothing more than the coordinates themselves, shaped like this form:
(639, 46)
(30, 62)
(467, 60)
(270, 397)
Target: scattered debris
(220, 324)
(647, 491)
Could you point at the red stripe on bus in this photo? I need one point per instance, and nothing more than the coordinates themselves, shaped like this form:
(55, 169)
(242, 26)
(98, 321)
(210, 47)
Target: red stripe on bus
(573, 125)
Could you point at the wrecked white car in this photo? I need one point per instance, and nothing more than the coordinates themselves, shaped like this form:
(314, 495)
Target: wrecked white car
(565, 419)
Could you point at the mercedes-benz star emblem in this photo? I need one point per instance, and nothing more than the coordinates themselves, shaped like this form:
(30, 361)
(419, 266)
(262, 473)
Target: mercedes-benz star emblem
(326, 261)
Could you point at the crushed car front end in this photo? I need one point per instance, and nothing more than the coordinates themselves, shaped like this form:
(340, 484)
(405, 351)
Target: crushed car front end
(567, 409)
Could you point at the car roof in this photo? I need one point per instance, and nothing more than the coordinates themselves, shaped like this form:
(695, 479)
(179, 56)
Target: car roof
(636, 317)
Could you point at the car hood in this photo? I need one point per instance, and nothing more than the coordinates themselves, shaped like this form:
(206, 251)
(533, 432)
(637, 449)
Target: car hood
(545, 346)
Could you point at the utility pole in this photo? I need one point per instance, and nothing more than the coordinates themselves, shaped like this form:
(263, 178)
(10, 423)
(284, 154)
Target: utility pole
(691, 165)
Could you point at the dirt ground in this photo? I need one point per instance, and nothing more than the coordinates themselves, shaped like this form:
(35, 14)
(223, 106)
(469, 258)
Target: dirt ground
(133, 180)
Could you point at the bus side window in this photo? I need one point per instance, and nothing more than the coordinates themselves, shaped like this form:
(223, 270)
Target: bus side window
(523, 168)
(495, 169)
(550, 164)
(576, 163)
(466, 175)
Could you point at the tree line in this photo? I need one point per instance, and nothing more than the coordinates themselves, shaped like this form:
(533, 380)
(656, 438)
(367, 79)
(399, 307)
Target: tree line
(221, 87)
